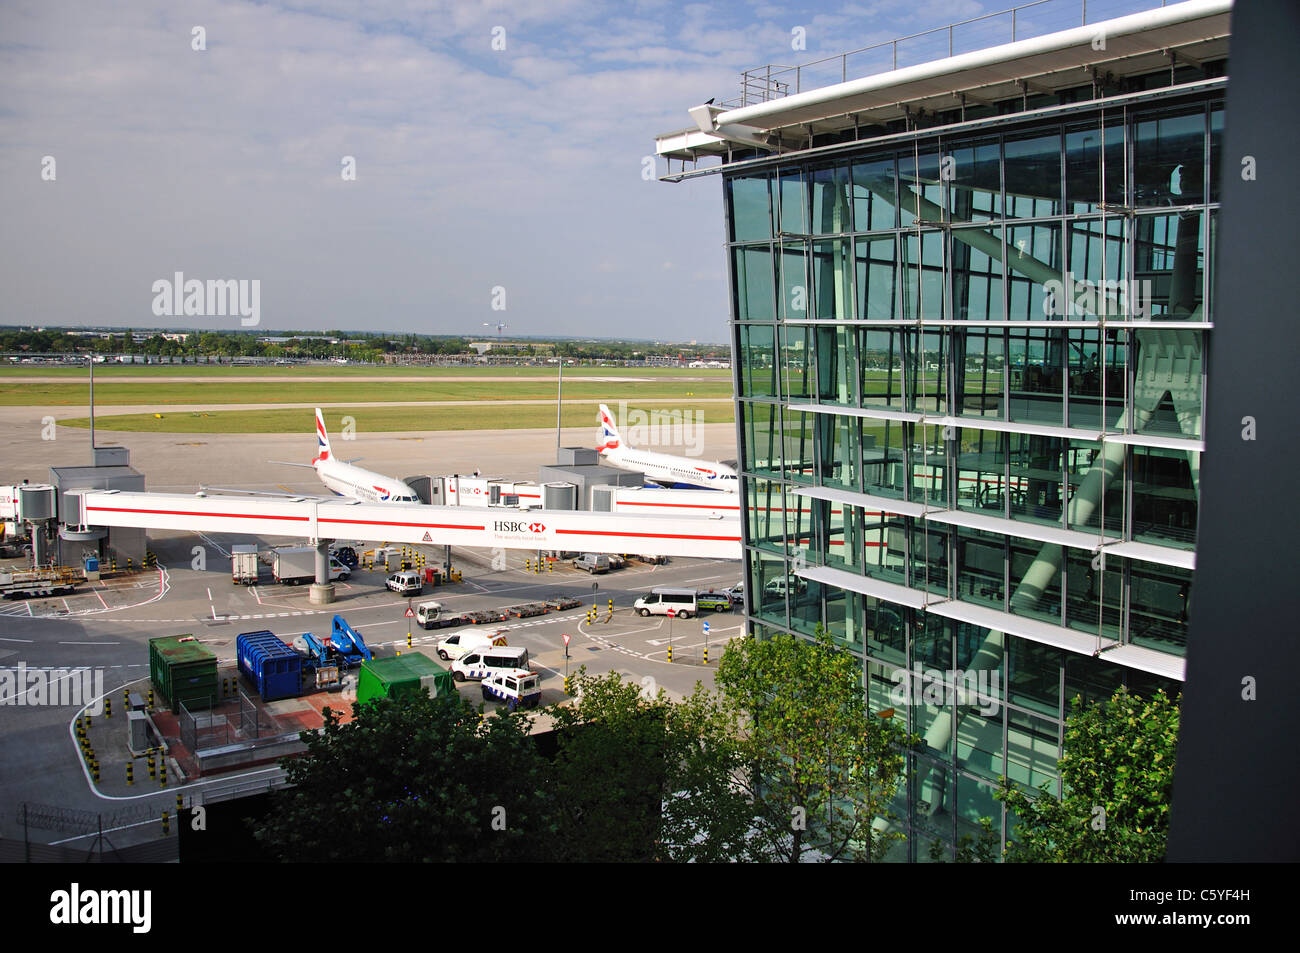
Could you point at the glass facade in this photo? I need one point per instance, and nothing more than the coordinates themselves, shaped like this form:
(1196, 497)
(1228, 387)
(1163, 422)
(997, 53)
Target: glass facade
(985, 345)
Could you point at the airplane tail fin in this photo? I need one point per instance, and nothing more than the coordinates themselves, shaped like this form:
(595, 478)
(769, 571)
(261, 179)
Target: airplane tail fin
(322, 438)
(609, 438)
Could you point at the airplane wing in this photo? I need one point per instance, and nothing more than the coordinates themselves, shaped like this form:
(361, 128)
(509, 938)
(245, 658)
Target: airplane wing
(286, 463)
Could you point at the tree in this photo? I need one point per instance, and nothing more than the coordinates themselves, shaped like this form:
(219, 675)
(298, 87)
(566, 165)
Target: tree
(413, 779)
(639, 777)
(820, 769)
(1117, 771)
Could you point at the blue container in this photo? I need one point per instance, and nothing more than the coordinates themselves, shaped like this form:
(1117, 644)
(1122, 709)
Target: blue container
(269, 664)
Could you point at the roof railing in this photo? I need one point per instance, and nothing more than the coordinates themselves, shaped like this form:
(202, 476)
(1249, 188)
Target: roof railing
(1038, 18)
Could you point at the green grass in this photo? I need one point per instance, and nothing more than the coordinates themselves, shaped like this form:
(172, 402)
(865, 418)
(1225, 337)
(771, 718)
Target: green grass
(387, 419)
(352, 370)
(161, 393)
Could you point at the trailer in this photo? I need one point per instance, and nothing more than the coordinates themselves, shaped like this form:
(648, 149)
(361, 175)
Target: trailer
(294, 565)
(244, 565)
(33, 583)
(528, 610)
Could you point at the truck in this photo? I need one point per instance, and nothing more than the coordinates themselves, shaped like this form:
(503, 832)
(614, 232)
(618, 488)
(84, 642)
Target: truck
(295, 565)
(244, 565)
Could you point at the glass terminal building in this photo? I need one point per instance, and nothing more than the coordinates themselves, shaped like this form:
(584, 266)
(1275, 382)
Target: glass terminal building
(970, 299)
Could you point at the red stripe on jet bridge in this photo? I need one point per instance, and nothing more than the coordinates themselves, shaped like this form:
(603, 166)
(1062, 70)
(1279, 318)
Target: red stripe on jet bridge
(606, 532)
(394, 523)
(238, 516)
(695, 506)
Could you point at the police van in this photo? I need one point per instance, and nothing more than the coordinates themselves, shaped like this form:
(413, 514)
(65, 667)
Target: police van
(518, 688)
(486, 662)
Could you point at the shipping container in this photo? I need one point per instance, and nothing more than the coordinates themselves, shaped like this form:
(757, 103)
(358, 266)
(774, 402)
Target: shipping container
(183, 670)
(270, 665)
(401, 675)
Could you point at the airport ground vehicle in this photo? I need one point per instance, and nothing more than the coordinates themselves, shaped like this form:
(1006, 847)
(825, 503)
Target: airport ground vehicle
(406, 583)
(592, 562)
(517, 688)
(484, 663)
(297, 564)
(347, 555)
(40, 582)
(244, 566)
(457, 646)
(716, 601)
(659, 601)
(344, 646)
(737, 593)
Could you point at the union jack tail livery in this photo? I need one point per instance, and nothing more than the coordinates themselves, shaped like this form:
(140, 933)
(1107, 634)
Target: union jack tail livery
(608, 431)
(322, 438)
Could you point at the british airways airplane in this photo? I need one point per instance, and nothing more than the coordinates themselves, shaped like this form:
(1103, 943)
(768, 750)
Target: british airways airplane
(353, 481)
(664, 468)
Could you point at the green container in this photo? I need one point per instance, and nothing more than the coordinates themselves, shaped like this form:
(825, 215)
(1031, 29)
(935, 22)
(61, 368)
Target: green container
(402, 675)
(183, 672)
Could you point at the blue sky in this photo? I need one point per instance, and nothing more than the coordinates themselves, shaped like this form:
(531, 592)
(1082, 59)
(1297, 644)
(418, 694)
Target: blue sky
(475, 168)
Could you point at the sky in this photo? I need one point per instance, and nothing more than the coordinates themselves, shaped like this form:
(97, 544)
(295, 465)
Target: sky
(482, 176)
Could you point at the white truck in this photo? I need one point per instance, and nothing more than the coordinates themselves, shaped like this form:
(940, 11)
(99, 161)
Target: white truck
(244, 566)
(295, 565)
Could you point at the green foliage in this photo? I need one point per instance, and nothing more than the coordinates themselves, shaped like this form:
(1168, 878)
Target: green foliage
(1117, 772)
(413, 779)
(971, 849)
(819, 768)
(639, 777)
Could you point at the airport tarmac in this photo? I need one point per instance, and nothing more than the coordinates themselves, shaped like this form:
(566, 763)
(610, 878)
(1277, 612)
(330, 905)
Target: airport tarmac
(36, 744)
(184, 462)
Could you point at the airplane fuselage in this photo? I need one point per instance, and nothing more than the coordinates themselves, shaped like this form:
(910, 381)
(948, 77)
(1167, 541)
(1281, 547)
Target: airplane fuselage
(668, 470)
(346, 479)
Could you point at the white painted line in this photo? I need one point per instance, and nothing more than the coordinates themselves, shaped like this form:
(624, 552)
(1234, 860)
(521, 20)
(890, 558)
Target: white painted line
(90, 643)
(209, 593)
(101, 599)
(16, 640)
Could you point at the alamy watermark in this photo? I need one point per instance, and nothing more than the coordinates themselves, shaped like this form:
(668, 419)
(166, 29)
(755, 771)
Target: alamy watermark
(176, 297)
(663, 428)
(979, 688)
(53, 687)
(1112, 297)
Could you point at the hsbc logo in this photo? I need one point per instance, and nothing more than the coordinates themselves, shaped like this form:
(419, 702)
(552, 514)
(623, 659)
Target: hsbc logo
(517, 526)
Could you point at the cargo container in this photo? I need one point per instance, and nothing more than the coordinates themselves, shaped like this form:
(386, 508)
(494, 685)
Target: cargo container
(183, 670)
(270, 665)
(402, 675)
(243, 564)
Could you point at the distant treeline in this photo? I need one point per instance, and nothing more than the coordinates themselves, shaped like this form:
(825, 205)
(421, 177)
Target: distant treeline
(325, 345)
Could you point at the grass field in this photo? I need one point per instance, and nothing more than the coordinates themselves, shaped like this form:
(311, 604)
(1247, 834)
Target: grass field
(106, 371)
(162, 392)
(392, 419)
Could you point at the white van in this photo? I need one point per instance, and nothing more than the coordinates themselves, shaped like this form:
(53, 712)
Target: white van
(458, 645)
(592, 562)
(406, 583)
(659, 601)
(493, 660)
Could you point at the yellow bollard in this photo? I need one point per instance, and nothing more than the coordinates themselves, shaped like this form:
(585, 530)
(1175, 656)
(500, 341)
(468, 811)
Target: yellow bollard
(130, 773)
(670, 652)
(166, 826)
(180, 803)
